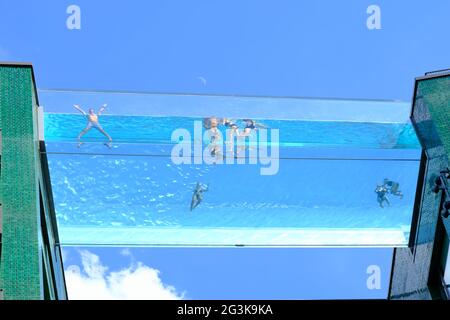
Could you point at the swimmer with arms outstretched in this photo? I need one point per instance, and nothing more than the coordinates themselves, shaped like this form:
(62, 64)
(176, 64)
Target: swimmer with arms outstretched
(92, 119)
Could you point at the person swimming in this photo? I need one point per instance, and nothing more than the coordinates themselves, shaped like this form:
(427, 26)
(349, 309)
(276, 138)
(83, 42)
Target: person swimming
(393, 187)
(92, 119)
(381, 192)
(230, 124)
(233, 131)
(251, 125)
(214, 145)
(197, 197)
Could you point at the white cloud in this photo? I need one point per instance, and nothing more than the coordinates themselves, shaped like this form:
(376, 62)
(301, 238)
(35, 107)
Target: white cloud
(137, 282)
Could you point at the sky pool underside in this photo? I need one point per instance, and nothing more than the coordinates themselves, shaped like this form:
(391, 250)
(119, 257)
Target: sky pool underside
(323, 193)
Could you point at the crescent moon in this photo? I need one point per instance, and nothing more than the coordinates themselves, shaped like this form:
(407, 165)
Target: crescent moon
(203, 80)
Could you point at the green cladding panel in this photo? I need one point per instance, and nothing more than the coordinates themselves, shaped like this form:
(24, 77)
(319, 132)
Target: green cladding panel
(436, 93)
(412, 266)
(20, 260)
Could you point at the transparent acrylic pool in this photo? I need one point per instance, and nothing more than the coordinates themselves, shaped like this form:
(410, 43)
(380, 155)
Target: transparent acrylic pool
(322, 195)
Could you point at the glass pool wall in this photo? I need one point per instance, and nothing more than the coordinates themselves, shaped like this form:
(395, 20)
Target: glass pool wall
(332, 156)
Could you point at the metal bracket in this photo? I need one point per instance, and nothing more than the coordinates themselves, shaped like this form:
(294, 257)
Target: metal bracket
(40, 120)
(442, 183)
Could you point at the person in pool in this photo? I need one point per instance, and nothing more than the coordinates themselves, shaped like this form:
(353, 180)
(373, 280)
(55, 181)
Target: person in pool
(212, 124)
(251, 125)
(230, 124)
(233, 132)
(197, 197)
(393, 187)
(92, 119)
(381, 192)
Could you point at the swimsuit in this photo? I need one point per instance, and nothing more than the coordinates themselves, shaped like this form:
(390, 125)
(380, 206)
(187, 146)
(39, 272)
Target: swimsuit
(231, 125)
(250, 126)
(92, 124)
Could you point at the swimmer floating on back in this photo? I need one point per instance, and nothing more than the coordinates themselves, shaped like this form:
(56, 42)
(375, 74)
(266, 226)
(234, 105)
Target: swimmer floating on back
(92, 119)
(197, 197)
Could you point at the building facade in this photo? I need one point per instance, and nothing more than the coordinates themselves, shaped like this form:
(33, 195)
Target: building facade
(422, 270)
(30, 258)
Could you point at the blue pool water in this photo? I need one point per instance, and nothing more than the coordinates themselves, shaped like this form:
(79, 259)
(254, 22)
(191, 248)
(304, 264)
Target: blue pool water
(323, 193)
(150, 129)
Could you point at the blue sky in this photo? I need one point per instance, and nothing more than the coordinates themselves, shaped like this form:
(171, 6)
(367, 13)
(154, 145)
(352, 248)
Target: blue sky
(243, 273)
(255, 47)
